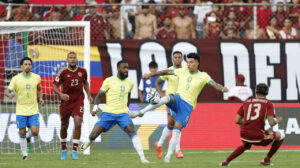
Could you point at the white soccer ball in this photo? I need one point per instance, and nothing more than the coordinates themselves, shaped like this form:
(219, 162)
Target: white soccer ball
(153, 97)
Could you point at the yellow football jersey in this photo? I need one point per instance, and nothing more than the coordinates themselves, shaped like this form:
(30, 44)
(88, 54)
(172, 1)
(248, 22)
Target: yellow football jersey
(172, 82)
(26, 89)
(117, 91)
(191, 85)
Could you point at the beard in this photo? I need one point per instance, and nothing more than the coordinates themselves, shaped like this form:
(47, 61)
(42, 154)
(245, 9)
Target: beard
(72, 66)
(123, 75)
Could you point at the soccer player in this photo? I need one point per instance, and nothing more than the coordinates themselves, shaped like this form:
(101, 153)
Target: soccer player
(172, 88)
(191, 82)
(117, 90)
(251, 117)
(72, 79)
(27, 86)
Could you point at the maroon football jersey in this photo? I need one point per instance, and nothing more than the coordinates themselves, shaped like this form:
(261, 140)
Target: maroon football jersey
(71, 82)
(165, 34)
(254, 111)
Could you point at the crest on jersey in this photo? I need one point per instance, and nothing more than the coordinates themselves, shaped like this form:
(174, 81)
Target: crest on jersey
(27, 86)
(122, 88)
(79, 74)
(189, 79)
(69, 76)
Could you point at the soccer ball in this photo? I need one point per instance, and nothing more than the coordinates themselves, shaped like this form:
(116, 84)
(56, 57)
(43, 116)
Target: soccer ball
(153, 97)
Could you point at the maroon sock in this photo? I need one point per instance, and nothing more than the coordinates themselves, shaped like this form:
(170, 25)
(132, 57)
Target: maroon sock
(274, 148)
(63, 145)
(239, 150)
(75, 145)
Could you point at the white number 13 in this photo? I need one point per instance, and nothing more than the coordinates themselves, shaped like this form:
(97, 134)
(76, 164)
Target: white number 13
(257, 108)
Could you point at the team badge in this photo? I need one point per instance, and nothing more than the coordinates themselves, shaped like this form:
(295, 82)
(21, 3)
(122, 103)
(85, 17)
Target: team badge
(122, 88)
(79, 74)
(189, 79)
(69, 76)
(27, 86)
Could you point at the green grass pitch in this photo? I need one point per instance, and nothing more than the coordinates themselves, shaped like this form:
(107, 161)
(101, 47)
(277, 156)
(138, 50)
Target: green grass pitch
(129, 158)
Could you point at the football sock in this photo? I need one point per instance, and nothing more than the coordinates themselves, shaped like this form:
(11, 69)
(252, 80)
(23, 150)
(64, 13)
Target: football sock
(177, 148)
(163, 100)
(173, 142)
(63, 143)
(274, 148)
(75, 144)
(138, 146)
(239, 150)
(165, 133)
(23, 145)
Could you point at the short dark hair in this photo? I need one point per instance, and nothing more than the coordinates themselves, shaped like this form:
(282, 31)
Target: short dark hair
(194, 56)
(145, 7)
(177, 52)
(262, 88)
(153, 64)
(121, 62)
(72, 52)
(24, 59)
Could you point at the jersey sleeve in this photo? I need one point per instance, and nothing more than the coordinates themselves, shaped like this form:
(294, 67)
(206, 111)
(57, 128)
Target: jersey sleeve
(105, 86)
(177, 72)
(270, 109)
(131, 86)
(207, 79)
(141, 85)
(12, 85)
(241, 111)
(163, 78)
(85, 74)
(39, 81)
(59, 78)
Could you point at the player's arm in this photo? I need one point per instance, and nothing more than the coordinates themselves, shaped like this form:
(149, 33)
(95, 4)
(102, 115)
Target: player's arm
(9, 93)
(86, 87)
(40, 94)
(128, 102)
(273, 121)
(239, 119)
(97, 101)
(218, 86)
(158, 84)
(159, 73)
(63, 96)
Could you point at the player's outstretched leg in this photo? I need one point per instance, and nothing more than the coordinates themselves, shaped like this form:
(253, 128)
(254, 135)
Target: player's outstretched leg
(179, 154)
(279, 138)
(138, 147)
(174, 141)
(165, 133)
(238, 151)
(97, 130)
(149, 107)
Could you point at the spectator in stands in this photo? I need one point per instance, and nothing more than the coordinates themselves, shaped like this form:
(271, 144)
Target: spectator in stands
(129, 12)
(280, 14)
(36, 16)
(173, 11)
(166, 32)
(212, 28)
(241, 13)
(3, 12)
(98, 24)
(20, 13)
(263, 14)
(230, 33)
(146, 24)
(272, 30)
(199, 15)
(67, 13)
(232, 17)
(288, 32)
(230, 25)
(295, 11)
(240, 92)
(114, 27)
(155, 11)
(55, 15)
(183, 25)
(249, 33)
(81, 13)
(14, 51)
(107, 9)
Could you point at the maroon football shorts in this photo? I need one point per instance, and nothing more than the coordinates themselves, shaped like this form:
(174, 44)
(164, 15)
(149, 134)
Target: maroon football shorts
(68, 110)
(267, 139)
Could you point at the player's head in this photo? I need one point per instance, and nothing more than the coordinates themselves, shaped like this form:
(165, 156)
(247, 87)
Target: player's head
(122, 67)
(239, 79)
(72, 59)
(26, 64)
(153, 66)
(145, 9)
(193, 61)
(177, 58)
(262, 89)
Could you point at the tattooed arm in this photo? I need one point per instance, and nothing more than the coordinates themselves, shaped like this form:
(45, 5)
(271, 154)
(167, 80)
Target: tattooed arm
(218, 86)
(158, 73)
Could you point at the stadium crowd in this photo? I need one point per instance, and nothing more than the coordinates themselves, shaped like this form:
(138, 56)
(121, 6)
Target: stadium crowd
(208, 19)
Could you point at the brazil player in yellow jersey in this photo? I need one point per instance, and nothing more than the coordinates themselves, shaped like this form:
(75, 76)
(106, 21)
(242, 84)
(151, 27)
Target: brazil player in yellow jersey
(191, 82)
(172, 88)
(27, 86)
(117, 90)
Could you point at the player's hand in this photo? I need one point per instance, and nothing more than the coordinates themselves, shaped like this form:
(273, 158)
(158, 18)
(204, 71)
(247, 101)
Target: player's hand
(279, 120)
(225, 89)
(147, 76)
(42, 102)
(64, 97)
(11, 95)
(90, 99)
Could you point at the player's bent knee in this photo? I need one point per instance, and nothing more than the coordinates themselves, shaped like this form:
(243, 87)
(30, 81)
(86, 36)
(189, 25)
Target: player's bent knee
(282, 136)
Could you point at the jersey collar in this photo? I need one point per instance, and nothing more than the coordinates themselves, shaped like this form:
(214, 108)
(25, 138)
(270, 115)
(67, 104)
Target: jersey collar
(194, 73)
(120, 79)
(72, 69)
(26, 77)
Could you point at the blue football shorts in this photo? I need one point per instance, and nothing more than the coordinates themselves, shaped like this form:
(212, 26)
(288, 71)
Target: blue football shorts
(27, 121)
(109, 120)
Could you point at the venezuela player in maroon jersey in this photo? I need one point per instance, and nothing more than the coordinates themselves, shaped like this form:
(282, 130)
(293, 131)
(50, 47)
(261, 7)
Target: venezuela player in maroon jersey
(251, 117)
(72, 80)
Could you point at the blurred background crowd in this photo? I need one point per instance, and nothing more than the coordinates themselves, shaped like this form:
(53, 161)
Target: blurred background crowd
(185, 19)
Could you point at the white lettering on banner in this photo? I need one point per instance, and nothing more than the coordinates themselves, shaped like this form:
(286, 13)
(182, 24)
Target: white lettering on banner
(292, 126)
(114, 51)
(293, 71)
(230, 51)
(266, 55)
(47, 129)
(185, 48)
(3, 124)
